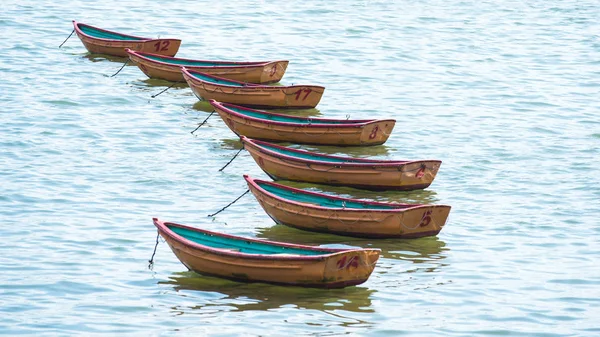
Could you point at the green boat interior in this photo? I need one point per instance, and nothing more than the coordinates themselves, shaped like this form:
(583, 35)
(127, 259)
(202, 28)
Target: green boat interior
(285, 119)
(217, 81)
(192, 63)
(240, 245)
(106, 35)
(319, 200)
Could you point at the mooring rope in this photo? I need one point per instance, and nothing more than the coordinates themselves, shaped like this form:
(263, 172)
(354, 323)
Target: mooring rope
(151, 261)
(222, 168)
(231, 203)
(169, 87)
(67, 38)
(123, 66)
(199, 125)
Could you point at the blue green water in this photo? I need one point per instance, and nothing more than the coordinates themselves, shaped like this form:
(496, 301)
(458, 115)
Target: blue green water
(505, 93)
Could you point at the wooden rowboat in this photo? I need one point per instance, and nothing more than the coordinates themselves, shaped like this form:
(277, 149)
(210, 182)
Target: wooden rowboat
(344, 216)
(207, 87)
(169, 68)
(252, 260)
(258, 124)
(101, 41)
(281, 162)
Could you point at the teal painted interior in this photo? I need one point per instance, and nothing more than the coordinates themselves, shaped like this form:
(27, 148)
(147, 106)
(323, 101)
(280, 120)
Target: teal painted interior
(216, 81)
(286, 119)
(190, 62)
(310, 156)
(242, 246)
(106, 35)
(319, 200)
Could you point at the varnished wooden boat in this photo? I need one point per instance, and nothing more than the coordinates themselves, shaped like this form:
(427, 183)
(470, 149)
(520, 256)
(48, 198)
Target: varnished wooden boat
(207, 87)
(101, 41)
(252, 260)
(169, 68)
(281, 162)
(321, 212)
(258, 124)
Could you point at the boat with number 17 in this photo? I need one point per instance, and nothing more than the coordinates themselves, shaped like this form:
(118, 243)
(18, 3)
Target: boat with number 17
(207, 87)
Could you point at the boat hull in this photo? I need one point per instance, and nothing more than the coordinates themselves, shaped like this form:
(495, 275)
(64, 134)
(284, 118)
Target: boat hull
(410, 222)
(114, 47)
(255, 72)
(407, 176)
(296, 96)
(336, 270)
(375, 132)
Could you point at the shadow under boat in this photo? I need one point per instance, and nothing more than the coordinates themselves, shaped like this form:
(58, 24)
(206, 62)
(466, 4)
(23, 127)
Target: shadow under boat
(262, 296)
(422, 250)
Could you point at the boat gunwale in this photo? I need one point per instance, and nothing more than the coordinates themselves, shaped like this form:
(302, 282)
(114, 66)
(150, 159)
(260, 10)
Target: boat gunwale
(241, 85)
(353, 123)
(238, 64)
(255, 183)
(137, 38)
(164, 229)
(362, 162)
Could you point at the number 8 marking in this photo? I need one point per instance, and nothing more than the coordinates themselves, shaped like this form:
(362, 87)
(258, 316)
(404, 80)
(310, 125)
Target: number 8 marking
(374, 132)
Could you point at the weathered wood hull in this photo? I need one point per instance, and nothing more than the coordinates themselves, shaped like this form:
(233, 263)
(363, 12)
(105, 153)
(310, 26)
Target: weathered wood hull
(295, 96)
(338, 269)
(404, 176)
(351, 133)
(405, 221)
(116, 47)
(170, 69)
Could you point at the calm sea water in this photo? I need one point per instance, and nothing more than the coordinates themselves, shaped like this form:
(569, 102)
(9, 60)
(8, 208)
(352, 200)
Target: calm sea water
(505, 93)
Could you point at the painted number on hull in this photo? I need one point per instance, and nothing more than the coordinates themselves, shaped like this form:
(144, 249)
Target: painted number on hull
(426, 219)
(373, 133)
(299, 93)
(162, 45)
(345, 263)
(421, 172)
(273, 70)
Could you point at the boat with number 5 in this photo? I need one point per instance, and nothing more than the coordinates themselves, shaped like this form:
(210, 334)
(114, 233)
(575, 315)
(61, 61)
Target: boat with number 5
(169, 68)
(326, 213)
(207, 87)
(252, 260)
(101, 41)
(286, 163)
(259, 124)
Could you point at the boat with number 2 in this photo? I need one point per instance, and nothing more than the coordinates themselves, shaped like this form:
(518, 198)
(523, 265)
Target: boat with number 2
(207, 87)
(258, 124)
(252, 260)
(102, 41)
(281, 162)
(169, 68)
(326, 213)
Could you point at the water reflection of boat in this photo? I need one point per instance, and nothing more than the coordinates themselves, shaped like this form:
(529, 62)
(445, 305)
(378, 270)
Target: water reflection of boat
(259, 296)
(411, 197)
(422, 250)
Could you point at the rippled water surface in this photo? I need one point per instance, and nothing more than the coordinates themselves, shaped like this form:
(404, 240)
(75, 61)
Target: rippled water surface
(505, 93)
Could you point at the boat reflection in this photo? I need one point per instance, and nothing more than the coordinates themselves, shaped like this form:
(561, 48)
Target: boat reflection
(103, 57)
(424, 250)
(262, 296)
(410, 197)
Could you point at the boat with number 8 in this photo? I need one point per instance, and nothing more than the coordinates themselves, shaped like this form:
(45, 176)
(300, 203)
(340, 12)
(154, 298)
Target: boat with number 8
(252, 260)
(102, 41)
(259, 124)
(169, 68)
(207, 87)
(326, 213)
(281, 162)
